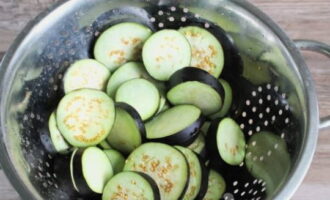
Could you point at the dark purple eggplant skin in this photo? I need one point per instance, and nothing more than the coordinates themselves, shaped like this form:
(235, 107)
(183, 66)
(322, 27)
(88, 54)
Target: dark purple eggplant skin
(194, 74)
(188, 175)
(135, 115)
(205, 178)
(153, 184)
(185, 137)
(78, 176)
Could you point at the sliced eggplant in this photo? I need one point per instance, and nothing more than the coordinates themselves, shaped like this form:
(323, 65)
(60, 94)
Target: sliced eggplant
(117, 160)
(230, 141)
(176, 126)
(207, 52)
(91, 170)
(195, 174)
(128, 71)
(162, 104)
(85, 117)
(227, 102)
(267, 158)
(86, 73)
(128, 130)
(164, 164)
(165, 52)
(216, 186)
(131, 185)
(141, 95)
(199, 146)
(121, 43)
(205, 178)
(196, 87)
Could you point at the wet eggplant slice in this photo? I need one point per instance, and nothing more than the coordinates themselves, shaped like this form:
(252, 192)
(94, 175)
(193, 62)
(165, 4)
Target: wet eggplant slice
(164, 164)
(85, 117)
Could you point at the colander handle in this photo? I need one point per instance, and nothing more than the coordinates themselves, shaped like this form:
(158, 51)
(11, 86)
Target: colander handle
(324, 49)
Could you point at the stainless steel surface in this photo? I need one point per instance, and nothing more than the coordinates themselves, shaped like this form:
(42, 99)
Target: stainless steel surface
(37, 50)
(322, 48)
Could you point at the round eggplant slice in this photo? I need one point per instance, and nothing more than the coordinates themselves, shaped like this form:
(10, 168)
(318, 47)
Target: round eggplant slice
(141, 95)
(128, 130)
(207, 52)
(230, 141)
(91, 170)
(227, 100)
(117, 160)
(195, 173)
(176, 126)
(267, 158)
(85, 117)
(196, 87)
(128, 71)
(165, 52)
(164, 164)
(86, 73)
(131, 185)
(121, 43)
(216, 186)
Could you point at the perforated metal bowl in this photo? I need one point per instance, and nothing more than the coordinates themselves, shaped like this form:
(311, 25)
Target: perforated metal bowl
(277, 92)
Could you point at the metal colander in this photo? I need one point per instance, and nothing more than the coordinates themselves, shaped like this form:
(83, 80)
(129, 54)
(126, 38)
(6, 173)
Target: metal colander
(273, 90)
